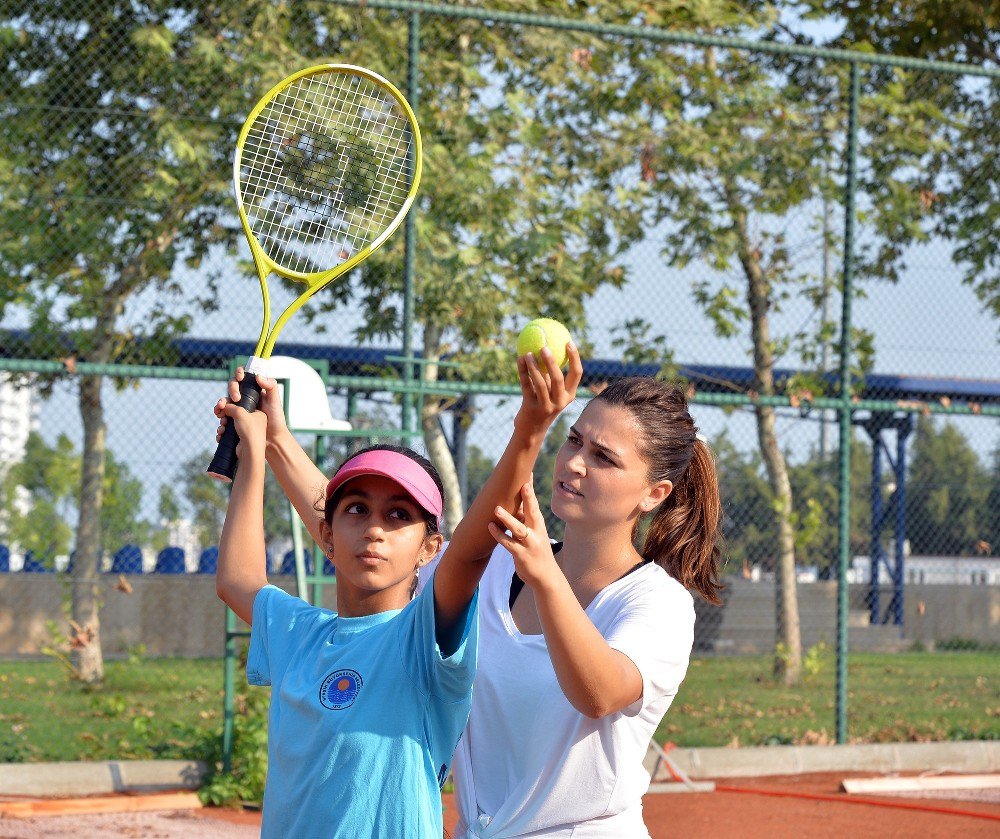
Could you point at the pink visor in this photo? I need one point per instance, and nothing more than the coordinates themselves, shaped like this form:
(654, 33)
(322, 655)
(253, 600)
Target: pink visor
(409, 474)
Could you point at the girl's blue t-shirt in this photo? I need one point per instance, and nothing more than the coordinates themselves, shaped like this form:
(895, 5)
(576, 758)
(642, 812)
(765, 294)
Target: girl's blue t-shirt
(365, 716)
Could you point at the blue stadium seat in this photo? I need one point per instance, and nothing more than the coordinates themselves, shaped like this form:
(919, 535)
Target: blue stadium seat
(127, 560)
(4, 559)
(288, 563)
(208, 561)
(34, 565)
(328, 568)
(170, 561)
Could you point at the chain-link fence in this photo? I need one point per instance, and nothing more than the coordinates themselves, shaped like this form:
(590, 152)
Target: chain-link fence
(690, 205)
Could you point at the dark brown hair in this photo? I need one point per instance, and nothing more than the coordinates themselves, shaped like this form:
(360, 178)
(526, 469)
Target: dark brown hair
(684, 535)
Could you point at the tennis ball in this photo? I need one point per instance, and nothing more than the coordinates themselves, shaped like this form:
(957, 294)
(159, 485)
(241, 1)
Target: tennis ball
(544, 332)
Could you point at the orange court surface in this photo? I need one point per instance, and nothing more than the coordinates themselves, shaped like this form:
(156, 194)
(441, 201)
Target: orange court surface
(776, 806)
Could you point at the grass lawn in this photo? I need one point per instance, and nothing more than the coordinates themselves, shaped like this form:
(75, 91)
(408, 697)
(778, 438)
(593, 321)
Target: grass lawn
(911, 696)
(159, 708)
(148, 708)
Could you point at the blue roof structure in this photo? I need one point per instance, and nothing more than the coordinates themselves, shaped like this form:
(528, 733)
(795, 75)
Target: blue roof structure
(211, 353)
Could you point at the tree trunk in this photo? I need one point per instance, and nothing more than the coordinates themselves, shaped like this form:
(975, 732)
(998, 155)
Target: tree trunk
(434, 437)
(89, 660)
(788, 649)
(788, 640)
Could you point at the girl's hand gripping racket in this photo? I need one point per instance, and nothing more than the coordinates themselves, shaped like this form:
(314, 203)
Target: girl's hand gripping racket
(326, 167)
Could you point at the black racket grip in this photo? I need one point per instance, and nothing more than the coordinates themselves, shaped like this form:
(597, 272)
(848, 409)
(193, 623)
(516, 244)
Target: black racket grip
(223, 465)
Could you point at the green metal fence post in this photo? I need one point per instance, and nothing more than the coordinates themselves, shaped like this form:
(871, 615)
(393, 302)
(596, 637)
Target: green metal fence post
(845, 411)
(410, 237)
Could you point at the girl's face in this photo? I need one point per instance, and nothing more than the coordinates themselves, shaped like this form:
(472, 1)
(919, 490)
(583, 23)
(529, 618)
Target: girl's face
(379, 539)
(599, 477)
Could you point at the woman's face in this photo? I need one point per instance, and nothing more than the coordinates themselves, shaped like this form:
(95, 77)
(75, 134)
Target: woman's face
(379, 537)
(599, 477)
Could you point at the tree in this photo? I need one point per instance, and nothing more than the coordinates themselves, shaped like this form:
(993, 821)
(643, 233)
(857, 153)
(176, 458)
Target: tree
(204, 500)
(748, 517)
(992, 546)
(516, 214)
(816, 503)
(40, 496)
(739, 154)
(948, 488)
(963, 191)
(118, 127)
(120, 524)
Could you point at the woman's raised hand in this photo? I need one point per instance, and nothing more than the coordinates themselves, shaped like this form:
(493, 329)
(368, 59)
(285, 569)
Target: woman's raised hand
(546, 392)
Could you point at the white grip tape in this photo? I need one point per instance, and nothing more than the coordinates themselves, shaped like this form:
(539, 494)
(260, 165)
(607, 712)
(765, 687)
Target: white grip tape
(257, 366)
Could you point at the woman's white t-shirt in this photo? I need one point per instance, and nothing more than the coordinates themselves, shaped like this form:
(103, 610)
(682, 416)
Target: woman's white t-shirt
(529, 764)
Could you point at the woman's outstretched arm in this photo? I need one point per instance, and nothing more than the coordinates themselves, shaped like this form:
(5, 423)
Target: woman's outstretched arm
(596, 678)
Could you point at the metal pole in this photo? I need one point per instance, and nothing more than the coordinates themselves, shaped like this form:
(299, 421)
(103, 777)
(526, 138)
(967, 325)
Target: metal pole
(409, 229)
(824, 359)
(902, 432)
(844, 530)
(878, 517)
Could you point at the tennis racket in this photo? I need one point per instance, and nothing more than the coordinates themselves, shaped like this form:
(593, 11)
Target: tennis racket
(326, 168)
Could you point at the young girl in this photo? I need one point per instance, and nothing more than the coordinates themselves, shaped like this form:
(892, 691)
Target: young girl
(583, 644)
(368, 702)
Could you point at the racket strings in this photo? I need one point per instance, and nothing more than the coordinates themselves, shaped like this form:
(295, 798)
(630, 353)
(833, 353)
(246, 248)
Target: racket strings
(325, 169)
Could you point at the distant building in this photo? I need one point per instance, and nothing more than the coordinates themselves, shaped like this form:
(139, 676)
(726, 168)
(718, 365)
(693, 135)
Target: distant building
(18, 418)
(937, 570)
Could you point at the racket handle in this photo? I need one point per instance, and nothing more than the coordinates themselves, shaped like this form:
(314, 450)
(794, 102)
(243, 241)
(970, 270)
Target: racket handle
(223, 465)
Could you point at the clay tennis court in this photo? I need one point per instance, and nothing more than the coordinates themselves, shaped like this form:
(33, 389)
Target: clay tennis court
(777, 806)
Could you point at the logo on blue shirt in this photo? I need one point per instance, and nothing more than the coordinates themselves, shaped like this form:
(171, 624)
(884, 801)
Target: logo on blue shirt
(340, 689)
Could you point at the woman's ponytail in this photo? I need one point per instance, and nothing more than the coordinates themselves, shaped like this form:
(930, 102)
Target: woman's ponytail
(684, 534)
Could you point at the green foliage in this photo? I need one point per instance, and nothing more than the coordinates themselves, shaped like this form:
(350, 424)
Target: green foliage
(40, 498)
(37, 496)
(749, 520)
(204, 500)
(816, 659)
(947, 494)
(959, 182)
(959, 644)
(245, 782)
(993, 501)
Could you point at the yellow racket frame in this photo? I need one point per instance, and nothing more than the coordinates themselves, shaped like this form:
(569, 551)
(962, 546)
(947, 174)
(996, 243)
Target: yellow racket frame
(316, 280)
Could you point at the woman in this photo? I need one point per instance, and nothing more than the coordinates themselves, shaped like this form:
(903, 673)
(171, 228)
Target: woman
(583, 644)
(375, 694)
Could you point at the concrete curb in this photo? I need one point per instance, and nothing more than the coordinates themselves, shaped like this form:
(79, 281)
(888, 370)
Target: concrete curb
(100, 777)
(746, 762)
(979, 756)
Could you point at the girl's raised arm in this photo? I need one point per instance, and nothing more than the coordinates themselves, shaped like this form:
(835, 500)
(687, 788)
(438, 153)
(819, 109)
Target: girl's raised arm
(242, 570)
(543, 397)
